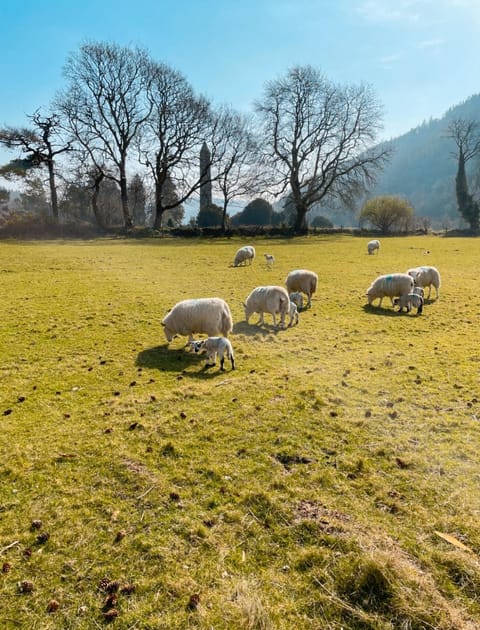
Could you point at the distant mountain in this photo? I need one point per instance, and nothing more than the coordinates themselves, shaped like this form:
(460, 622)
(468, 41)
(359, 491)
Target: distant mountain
(423, 167)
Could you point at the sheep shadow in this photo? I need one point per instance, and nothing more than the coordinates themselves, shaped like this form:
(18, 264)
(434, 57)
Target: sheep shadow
(250, 330)
(382, 311)
(166, 359)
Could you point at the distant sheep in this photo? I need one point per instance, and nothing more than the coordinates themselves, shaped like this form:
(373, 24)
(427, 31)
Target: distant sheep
(408, 301)
(213, 346)
(373, 246)
(426, 277)
(244, 255)
(209, 316)
(268, 299)
(391, 285)
(269, 259)
(304, 281)
(293, 314)
(297, 298)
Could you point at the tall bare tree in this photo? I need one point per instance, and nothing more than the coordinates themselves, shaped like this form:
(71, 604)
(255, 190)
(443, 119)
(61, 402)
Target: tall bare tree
(40, 145)
(238, 169)
(466, 135)
(179, 123)
(319, 137)
(105, 105)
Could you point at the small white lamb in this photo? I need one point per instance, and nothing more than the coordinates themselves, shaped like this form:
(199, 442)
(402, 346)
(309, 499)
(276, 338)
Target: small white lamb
(269, 259)
(409, 300)
(213, 346)
(293, 314)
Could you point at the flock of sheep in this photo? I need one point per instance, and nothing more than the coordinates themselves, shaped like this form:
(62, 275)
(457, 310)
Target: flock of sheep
(212, 316)
(405, 290)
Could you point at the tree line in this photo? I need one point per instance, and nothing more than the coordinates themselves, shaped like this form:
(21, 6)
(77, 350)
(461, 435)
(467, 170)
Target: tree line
(122, 112)
(124, 119)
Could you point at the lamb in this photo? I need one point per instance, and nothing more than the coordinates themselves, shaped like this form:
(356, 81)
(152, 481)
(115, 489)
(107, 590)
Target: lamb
(213, 346)
(304, 281)
(269, 259)
(297, 298)
(373, 246)
(426, 277)
(210, 316)
(268, 299)
(244, 255)
(293, 314)
(408, 301)
(391, 285)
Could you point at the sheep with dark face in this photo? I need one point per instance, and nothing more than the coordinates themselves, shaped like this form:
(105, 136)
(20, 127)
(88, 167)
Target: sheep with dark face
(210, 316)
(297, 298)
(213, 346)
(390, 285)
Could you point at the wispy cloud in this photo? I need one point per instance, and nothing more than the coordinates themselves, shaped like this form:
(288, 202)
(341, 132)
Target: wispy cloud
(388, 61)
(390, 10)
(431, 44)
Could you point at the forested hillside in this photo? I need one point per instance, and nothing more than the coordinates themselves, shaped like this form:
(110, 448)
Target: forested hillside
(423, 167)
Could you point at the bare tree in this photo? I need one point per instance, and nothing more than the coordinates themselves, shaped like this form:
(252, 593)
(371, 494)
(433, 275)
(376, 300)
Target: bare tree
(319, 137)
(466, 135)
(105, 106)
(179, 123)
(238, 172)
(41, 145)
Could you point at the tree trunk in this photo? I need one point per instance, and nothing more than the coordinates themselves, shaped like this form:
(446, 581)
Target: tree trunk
(53, 189)
(96, 192)
(159, 209)
(127, 217)
(467, 206)
(224, 216)
(300, 226)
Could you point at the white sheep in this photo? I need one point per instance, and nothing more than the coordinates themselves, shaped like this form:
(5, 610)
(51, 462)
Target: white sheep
(373, 246)
(408, 301)
(297, 298)
(390, 285)
(304, 281)
(268, 299)
(293, 314)
(426, 277)
(210, 316)
(244, 255)
(213, 346)
(269, 259)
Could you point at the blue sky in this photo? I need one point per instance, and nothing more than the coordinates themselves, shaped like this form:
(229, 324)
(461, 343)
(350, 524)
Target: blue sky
(420, 56)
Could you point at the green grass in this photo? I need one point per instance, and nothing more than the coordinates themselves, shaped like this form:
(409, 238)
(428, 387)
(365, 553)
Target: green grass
(303, 490)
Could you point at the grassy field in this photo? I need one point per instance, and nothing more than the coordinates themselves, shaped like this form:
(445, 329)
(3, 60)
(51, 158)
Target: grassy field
(331, 481)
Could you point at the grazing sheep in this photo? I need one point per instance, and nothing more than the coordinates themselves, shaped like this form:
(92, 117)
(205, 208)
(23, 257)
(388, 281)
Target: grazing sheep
(419, 291)
(391, 285)
(244, 255)
(408, 301)
(304, 281)
(293, 314)
(213, 346)
(426, 277)
(373, 246)
(297, 298)
(267, 299)
(269, 259)
(210, 316)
